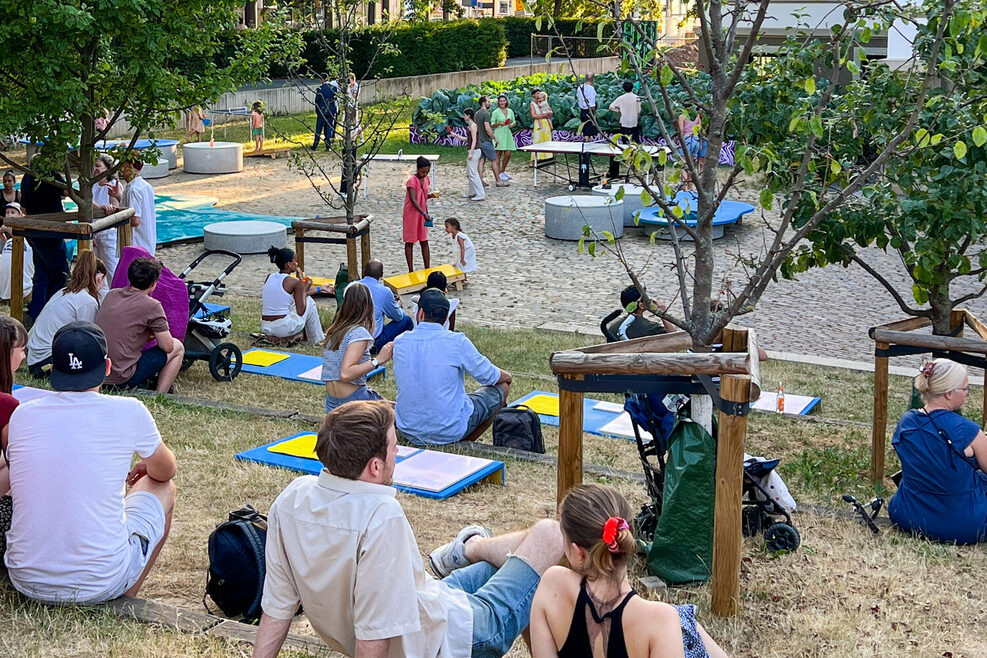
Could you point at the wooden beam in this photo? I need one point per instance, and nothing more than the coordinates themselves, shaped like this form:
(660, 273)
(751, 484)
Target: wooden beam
(299, 247)
(754, 363)
(908, 324)
(351, 263)
(728, 502)
(974, 323)
(364, 250)
(112, 221)
(32, 224)
(333, 224)
(17, 278)
(880, 424)
(940, 343)
(674, 342)
(570, 463)
(710, 363)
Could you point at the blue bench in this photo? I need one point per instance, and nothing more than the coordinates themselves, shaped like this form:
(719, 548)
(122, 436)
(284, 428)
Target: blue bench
(728, 212)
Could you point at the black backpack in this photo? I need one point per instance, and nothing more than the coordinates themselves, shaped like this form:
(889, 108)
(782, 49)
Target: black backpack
(518, 428)
(236, 565)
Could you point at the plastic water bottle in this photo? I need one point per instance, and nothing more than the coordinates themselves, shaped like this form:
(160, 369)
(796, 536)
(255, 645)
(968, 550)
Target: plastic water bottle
(781, 399)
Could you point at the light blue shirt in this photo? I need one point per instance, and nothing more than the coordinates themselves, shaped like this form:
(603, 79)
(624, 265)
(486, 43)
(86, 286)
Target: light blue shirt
(430, 363)
(384, 303)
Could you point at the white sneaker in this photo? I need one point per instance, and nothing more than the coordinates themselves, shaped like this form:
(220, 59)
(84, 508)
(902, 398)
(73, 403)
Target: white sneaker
(479, 198)
(467, 195)
(505, 177)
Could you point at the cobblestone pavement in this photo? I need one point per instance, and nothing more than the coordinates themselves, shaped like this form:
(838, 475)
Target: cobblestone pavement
(528, 280)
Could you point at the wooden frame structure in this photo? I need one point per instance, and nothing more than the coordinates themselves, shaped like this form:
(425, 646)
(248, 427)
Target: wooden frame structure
(656, 364)
(896, 339)
(60, 225)
(359, 229)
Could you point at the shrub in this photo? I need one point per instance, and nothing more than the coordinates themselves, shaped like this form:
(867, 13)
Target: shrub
(445, 106)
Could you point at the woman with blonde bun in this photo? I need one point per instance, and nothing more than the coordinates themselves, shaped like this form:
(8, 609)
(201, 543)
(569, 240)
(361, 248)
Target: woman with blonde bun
(943, 491)
(590, 610)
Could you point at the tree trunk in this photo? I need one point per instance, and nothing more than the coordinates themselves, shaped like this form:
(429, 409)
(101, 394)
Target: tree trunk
(941, 306)
(557, 10)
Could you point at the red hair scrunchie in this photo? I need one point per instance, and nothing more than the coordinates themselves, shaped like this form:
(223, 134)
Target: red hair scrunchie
(927, 369)
(611, 529)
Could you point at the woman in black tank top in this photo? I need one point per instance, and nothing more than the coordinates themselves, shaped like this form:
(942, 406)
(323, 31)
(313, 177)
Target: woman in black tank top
(591, 610)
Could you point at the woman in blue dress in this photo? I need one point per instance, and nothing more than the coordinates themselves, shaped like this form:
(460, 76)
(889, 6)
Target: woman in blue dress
(943, 491)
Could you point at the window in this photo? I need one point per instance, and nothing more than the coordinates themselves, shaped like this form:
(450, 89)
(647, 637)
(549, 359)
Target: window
(505, 7)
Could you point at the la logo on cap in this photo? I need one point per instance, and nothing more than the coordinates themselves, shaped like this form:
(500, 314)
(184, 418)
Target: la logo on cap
(75, 363)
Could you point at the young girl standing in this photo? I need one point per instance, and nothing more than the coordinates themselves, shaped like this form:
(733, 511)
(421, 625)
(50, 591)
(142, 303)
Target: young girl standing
(466, 260)
(257, 125)
(415, 218)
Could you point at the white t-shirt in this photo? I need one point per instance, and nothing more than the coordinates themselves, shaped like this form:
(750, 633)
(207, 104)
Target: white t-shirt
(139, 195)
(586, 96)
(629, 105)
(5, 263)
(61, 309)
(453, 304)
(69, 458)
(469, 253)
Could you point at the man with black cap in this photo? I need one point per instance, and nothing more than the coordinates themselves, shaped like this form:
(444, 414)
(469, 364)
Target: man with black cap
(139, 195)
(76, 538)
(430, 363)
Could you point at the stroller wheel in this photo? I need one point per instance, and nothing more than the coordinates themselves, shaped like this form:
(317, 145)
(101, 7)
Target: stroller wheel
(782, 537)
(752, 521)
(225, 362)
(187, 363)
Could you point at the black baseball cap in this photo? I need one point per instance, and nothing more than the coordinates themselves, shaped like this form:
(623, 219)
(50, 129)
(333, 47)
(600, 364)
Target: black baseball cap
(78, 357)
(433, 302)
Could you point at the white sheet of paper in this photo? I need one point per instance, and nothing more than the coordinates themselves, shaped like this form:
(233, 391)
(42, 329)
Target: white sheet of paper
(613, 407)
(407, 451)
(435, 471)
(622, 426)
(794, 404)
(315, 374)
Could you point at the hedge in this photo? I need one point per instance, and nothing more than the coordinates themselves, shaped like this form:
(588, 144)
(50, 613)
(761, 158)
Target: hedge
(424, 49)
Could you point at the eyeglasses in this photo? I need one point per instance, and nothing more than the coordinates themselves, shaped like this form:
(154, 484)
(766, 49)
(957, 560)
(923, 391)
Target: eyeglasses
(965, 389)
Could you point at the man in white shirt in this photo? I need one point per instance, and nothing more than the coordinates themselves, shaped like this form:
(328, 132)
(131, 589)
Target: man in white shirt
(586, 98)
(76, 538)
(340, 545)
(139, 195)
(628, 106)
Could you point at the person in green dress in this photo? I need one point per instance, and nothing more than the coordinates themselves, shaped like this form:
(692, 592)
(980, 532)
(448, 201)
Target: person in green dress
(502, 120)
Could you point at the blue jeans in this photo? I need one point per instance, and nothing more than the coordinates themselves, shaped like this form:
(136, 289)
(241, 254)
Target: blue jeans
(362, 393)
(501, 602)
(151, 362)
(392, 330)
(486, 402)
(325, 126)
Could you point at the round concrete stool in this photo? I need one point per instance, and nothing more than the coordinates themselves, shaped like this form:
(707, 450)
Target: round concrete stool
(159, 170)
(632, 199)
(169, 150)
(245, 237)
(223, 158)
(565, 216)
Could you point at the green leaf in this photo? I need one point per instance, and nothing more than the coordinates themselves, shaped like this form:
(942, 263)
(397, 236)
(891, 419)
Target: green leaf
(865, 35)
(935, 139)
(662, 157)
(666, 75)
(835, 167)
(609, 236)
(920, 135)
(646, 198)
(959, 150)
(619, 196)
(809, 85)
(630, 308)
(538, 23)
(767, 198)
(979, 136)
(591, 248)
(580, 246)
(677, 211)
(599, 30)
(815, 125)
(793, 124)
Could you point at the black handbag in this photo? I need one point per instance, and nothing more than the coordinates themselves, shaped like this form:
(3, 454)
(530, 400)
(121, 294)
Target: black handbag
(518, 428)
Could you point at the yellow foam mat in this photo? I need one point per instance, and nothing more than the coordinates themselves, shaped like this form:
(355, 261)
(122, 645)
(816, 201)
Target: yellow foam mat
(419, 277)
(545, 405)
(262, 358)
(322, 281)
(301, 446)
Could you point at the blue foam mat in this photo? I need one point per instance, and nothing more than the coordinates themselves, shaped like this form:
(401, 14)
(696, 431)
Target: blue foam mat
(295, 365)
(593, 419)
(211, 308)
(261, 455)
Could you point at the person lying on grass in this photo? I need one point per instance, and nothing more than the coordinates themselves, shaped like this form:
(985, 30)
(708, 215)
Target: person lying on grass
(339, 545)
(943, 491)
(78, 535)
(590, 610)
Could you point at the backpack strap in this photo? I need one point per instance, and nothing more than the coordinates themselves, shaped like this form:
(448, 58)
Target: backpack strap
(253, 538)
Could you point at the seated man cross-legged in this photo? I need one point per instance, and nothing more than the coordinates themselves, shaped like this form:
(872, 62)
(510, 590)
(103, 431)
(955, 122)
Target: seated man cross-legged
(430, 364)
(76, 536)
(340, 545)
(385, 305)
(130, 318)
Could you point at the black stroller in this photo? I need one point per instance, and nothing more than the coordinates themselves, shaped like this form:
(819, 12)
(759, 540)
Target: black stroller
(208, 328)
(650, 414)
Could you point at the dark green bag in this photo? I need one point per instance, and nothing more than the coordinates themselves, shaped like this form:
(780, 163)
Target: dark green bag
(682, 548)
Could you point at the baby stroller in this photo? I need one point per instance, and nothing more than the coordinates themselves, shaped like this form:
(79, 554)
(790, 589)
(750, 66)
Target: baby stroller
(650, 414)
(208, 327)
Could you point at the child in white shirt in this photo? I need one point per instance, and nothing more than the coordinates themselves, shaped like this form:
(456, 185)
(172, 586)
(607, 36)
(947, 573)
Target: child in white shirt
(466, 258)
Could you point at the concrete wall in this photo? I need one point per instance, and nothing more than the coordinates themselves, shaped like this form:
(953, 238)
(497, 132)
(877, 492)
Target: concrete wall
(294, 99)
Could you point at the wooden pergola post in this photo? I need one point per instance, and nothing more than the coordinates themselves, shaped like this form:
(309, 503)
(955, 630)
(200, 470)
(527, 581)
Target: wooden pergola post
(570, 461)
(880, 425)
(17, 279)
(320, 226)
(300, 248)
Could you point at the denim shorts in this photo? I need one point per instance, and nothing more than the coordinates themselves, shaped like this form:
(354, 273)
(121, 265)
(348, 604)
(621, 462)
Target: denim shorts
(486, 402)
(487, 151)
(145, 520)
(501, 602)
(696, 147)
(362, 393)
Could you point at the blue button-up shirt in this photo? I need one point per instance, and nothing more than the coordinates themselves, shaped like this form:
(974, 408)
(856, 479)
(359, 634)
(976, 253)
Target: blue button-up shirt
(384, 303)
(429, 367)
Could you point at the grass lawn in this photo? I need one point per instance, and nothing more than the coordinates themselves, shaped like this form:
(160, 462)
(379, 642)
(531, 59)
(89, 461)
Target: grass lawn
(844, 592)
